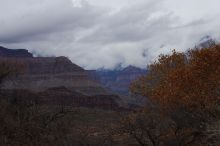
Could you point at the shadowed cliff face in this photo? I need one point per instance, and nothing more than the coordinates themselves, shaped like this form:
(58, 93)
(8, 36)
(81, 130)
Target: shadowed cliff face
(4, 52)
(61, 96)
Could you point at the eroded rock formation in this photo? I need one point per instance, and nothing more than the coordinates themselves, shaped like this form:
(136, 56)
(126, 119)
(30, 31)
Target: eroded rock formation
(56, 80)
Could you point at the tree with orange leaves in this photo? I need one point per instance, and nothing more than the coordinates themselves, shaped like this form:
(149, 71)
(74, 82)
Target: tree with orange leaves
(189, 79)
(186, 86)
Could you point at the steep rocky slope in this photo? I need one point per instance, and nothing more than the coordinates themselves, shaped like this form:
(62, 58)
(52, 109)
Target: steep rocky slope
(55, 80)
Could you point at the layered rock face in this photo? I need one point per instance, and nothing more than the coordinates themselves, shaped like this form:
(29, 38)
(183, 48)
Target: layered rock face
(42, 73)
(56, 80)
(61, 96)
(117, 80)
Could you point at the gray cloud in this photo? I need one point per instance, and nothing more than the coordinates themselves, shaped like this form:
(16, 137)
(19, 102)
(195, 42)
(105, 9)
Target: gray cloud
(98, 33)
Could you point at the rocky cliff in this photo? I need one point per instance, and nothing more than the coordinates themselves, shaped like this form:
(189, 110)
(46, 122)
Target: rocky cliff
(44, 77)
(42, 73)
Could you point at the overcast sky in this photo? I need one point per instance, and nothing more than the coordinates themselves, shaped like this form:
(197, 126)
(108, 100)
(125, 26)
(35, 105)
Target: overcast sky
(106, 33)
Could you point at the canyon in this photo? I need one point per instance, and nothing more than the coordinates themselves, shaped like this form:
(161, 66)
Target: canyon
(58, 81)
(53, 80)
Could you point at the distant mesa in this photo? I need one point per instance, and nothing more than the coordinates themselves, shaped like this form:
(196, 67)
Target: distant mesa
(16, 53)
(55, 80)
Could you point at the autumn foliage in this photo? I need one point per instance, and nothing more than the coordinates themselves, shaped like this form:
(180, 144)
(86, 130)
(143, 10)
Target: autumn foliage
(190, 79)
(184, 88)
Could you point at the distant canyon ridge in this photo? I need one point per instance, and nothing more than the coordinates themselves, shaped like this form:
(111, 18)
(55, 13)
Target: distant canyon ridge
(56, 80)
